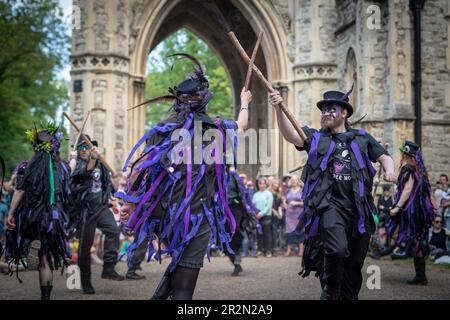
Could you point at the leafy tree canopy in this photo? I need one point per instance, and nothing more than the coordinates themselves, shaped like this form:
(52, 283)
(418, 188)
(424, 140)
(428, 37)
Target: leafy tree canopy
(161, 76)
(33, 48)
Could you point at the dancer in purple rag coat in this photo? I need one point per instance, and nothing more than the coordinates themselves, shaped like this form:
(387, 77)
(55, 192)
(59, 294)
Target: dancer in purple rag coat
(413, 211)
(338, 205)
(177, 188)
(39, 208)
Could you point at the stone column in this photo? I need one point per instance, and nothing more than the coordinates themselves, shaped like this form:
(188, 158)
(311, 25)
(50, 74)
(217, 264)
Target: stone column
(100, 71)
(436, 87)
(399, 116)
(136, 117)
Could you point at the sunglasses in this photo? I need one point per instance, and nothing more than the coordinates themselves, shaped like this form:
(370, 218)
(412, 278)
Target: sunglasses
(81, 148)
(438, 221)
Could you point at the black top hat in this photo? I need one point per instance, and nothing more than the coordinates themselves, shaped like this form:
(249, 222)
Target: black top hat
(410, 148)
(81, 141)
(337, 97)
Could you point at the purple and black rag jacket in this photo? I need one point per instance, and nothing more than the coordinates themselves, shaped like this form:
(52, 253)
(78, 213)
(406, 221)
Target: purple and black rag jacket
(172, 198)
(417, 214)
(317, 190)
(41, 215)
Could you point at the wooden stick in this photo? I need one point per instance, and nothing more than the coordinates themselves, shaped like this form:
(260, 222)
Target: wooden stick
(101, 158)
(267, 85)
(252, 61)
(297, 169)
(81, 130)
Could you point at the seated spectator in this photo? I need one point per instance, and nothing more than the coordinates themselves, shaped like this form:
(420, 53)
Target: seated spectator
(438, 238)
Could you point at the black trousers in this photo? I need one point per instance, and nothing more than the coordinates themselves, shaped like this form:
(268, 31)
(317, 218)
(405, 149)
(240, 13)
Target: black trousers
(103, 220)
(265, 239)
(236, 241)
(344, 254)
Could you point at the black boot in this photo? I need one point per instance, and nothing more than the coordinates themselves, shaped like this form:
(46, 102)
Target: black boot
(86, 284)
(164, 288)
(237, 269)
(132, 275)
(110, 273)
(333, 273)
(45, 292)
(420, 278)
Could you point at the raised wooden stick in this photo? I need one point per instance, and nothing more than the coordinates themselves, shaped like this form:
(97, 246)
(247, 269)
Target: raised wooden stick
(252, 61)
(267, 84)
(81, 130)
(102, 159)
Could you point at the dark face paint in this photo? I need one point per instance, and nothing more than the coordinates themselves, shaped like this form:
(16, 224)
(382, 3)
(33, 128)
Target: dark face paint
(331, 116)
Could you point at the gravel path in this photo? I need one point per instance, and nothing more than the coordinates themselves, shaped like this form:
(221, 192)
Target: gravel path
(263, 278)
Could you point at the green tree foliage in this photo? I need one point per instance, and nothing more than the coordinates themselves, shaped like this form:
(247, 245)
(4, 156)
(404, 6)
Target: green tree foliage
(161, 76)
(33, 48)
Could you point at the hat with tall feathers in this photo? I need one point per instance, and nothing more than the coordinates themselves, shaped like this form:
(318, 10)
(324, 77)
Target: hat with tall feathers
(195, 84)
(47, 138)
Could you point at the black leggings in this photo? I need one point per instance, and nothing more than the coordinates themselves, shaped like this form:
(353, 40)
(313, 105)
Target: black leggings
(183, 283)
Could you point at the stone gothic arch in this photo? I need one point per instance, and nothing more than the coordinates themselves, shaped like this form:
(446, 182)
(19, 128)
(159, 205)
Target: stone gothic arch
(111, 48)
(211, 22)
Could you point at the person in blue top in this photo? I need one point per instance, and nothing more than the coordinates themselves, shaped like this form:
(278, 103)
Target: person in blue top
(338, 205)
(263, 200)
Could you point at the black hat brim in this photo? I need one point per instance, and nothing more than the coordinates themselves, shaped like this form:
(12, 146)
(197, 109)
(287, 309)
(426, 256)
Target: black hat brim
(81, 142)
(342, 103)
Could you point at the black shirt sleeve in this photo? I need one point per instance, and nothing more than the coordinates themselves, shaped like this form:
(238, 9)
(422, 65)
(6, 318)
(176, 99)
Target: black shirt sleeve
(306, 144)
(375, 149)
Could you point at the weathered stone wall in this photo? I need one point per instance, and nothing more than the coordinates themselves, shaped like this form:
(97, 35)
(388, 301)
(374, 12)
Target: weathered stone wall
(436, 86)
(327, 46)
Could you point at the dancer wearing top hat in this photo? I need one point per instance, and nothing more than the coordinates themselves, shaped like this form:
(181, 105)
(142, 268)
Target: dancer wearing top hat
(413, 210)
(337, 197)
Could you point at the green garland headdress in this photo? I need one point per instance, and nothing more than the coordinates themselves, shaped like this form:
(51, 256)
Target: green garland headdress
(47, 138)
